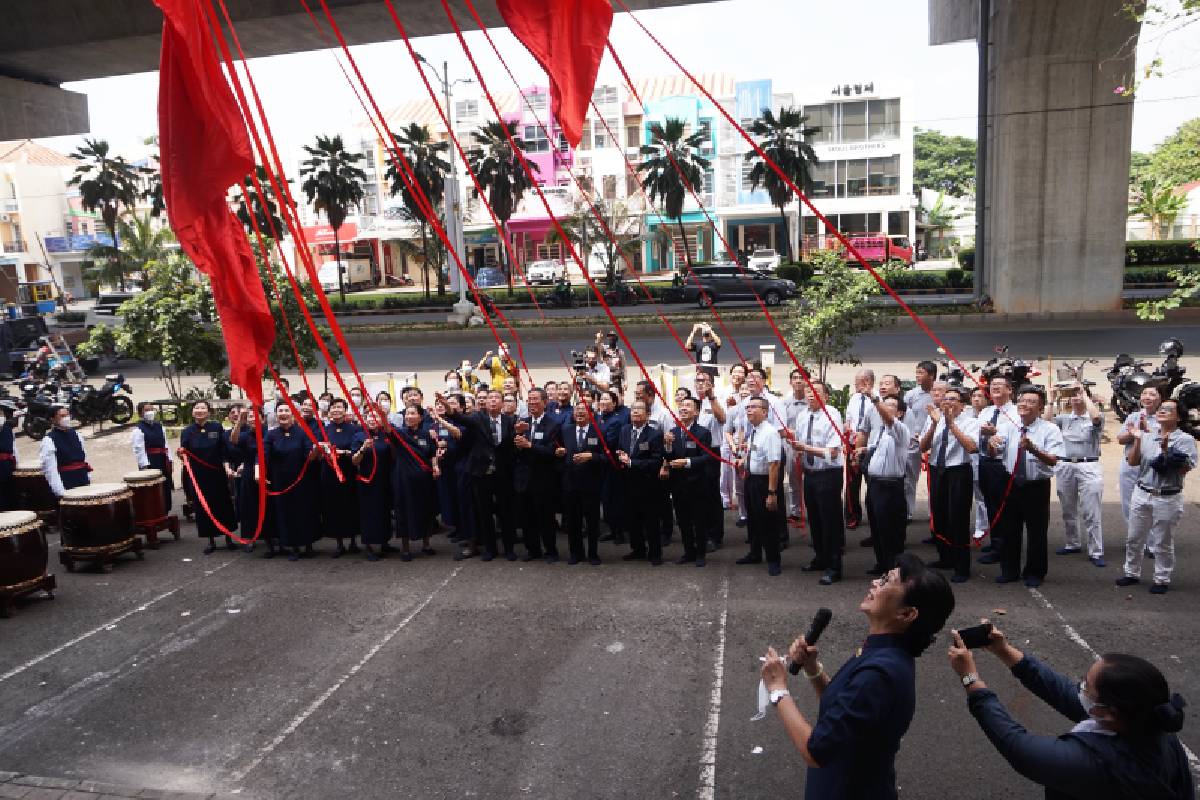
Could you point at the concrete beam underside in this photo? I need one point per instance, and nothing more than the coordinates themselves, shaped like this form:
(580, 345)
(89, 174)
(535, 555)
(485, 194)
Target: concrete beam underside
(33, 109)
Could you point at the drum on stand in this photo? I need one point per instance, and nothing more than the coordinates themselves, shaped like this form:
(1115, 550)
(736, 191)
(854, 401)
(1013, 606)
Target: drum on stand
(97, 524)
(150, 505)
(23, 557)
(31, 490)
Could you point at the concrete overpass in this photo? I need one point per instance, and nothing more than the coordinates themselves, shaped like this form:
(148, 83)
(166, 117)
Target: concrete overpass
(45, 43)
(1054, 145)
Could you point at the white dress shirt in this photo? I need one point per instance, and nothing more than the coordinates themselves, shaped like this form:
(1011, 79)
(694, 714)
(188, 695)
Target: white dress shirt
(139, 449)
(859, 411)
(1045, 436)
(814, 427)
(766, 447)
(890, 455)
(48, 454)
(955, 455)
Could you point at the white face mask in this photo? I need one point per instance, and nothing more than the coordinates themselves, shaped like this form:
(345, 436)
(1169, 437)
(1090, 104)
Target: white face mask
(149, 415)
(324, 405)
(1085, 701)
(386, 405)
(65, 422)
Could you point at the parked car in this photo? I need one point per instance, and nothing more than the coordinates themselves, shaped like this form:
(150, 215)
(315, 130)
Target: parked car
(877, 248)
(489, 277)
(766, 260)
(727, 281)
(109, 302)
(547, 272)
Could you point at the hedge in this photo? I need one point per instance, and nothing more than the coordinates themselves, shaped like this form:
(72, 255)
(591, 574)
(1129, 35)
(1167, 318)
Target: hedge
(1165, 251)
(797, 272)
(1155, 274)
(966, 258)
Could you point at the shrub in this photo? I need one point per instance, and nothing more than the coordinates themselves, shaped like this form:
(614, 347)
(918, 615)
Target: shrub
(966, 258)
(798, 272)
(1166, 251)
(1154, 274)
(956, 278)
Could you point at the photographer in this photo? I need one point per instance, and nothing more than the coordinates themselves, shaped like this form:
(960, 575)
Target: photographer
(1122, 745)
(598, 374)
(706, 349)
(866, 708)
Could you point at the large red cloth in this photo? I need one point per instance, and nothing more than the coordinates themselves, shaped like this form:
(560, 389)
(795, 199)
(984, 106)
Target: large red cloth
(567, 38)
(204, 150)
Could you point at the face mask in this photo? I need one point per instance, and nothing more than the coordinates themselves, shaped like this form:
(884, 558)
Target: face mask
(385, 405)
(451, 384)
(65, 422)
(324, 404)
(149, 416)
(1085, 701)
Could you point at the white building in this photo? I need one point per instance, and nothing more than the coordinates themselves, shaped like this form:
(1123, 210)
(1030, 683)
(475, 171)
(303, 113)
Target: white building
(33, 206)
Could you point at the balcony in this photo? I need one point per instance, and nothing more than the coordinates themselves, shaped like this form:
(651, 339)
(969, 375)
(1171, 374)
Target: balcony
(15, 246)
(9, 206)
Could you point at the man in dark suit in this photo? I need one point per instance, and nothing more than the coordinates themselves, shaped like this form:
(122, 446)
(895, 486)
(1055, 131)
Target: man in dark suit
(640, 452)
(537, 439)
(583, 457)
(488, 441)
(687, 457)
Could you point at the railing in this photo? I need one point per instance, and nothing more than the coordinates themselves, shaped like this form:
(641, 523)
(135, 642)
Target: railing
(16, 246)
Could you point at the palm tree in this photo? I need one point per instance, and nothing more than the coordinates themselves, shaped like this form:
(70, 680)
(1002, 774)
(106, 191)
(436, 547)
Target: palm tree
(672, 150)
(106, 183)
(265, 208)
(785, 141)
(143, 242)
(497, 166)
(424, 159)
(333, 184)
(1158, 204)
(939, 219)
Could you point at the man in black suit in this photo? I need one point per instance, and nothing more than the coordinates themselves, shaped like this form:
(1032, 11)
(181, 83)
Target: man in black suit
(687, 455)
(538, 437)
(640, 452)
(583, 461)
(487, 438)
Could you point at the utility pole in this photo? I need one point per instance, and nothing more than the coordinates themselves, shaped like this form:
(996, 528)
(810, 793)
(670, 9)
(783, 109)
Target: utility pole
(454, 216)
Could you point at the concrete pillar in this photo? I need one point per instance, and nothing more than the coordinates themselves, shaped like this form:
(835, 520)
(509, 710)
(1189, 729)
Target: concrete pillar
(1058, 160)
(34, 110)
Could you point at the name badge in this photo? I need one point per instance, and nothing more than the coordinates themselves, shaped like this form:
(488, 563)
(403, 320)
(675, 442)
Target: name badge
(213, 434)
(644, 446)
(690, 446)
(539, 435)
(444, 431)
(423, 442)
(593, 442)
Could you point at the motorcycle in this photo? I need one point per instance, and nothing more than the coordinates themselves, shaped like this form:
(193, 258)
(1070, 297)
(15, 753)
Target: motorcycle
(38, 400)
(1016, 370)
(105, 404)
(561, 296)
(622, 294)
(1128, 378)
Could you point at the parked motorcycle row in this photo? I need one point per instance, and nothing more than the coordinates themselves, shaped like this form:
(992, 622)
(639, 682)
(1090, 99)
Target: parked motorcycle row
(36, 401)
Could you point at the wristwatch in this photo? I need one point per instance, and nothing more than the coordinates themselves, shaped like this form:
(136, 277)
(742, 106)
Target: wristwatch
(772, 492)
(968, 679)
(778, 695)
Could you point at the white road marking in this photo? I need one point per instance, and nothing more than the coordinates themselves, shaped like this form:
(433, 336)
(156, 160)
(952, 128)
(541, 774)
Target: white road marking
(106, 626)
(1073, 635)
(316, 704)
(708, 756)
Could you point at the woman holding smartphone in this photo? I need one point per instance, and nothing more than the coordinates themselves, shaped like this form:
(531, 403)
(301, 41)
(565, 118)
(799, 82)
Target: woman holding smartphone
(1123, 743)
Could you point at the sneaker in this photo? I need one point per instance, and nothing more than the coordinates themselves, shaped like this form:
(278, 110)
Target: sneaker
(1067, 551)
(1127, 580)
(774, 568)
(1097, 560)
(1159, 588)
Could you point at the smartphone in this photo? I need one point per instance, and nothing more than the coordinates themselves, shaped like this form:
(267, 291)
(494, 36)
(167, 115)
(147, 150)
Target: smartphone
(977, 636)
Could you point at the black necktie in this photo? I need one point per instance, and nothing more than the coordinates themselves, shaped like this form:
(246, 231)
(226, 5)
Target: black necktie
(983, 436)
(941, 454)
(1019, 476)
(581, 433)
(496, 429)
(808, 441)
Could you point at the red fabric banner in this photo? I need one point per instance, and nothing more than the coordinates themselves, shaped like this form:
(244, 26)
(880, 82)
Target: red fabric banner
(205, 150)
(567, 39)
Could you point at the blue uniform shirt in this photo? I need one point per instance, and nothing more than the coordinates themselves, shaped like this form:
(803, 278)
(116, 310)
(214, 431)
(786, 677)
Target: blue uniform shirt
(865, 712)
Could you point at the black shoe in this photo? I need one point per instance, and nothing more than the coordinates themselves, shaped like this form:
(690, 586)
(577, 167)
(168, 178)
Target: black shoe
(341, 551)
(959, 578)
(463, 555)
(230, 544)
(1067, 551)
(208, 551)
(551, 559)
(372, 557)
(700, 562)
(749, 559)
(425, 551)
(867, 542)
(511, 556)
(1033, 581)
(531, 557)
(1007, 578)
(636, 555)
(656, 562)
(595, 562)
(608, 537)
(572, 561)
(774, 568)
(248, 548)
(353, 548)
(928, 540)
(741, 523)
(990, 558)
(387, 548)
(406, 556)
(812, 566)
(685, 559)
(1148, 554)
(1126, 580)
(1159, 588)
(939, 564)
(830, 578)
(488, 556)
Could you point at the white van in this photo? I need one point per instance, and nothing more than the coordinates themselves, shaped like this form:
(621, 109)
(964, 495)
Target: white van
(356, 273)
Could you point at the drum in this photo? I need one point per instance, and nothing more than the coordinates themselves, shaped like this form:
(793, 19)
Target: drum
(97, 517)
(149, 503)
(31, 491)
(23, 551)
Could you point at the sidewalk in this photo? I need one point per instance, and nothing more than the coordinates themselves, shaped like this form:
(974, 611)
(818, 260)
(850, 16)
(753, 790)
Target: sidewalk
(29, 787)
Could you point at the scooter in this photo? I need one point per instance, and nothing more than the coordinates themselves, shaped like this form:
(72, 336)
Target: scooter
(105, 404)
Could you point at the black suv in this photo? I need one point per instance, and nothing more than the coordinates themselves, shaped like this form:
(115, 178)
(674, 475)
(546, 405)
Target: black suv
(729, 282)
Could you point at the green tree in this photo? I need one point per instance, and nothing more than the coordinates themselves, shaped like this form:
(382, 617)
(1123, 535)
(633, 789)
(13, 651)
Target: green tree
(944, 163)
(333, 183)
(585, 232)
(265, 208)
(1176, 160)
(939, 219)
(282, 355)
(784, 138)
(141, 243)
(1158, 204)
(672, 150)
(425, 161)
(1139, 164)
(834, 312)
(107, 184)
(497, 166)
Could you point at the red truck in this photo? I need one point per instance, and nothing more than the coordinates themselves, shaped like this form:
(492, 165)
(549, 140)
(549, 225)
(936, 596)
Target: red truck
(879, 248)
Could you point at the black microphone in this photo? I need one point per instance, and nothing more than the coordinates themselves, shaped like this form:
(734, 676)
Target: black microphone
(819, 623)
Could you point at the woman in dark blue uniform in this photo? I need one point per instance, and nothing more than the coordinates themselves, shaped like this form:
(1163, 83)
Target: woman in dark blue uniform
(412, 482)
(338, 500)
(245, 449)
(372, 461)
(611, 416)
(208, 446)
(289, 456)
(866, 708)
(150, 447)
(448, 508)
(8, 455)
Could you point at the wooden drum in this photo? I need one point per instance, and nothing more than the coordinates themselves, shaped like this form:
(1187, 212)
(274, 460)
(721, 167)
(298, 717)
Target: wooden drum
(31, 490)
(23, 557)
(97, 524)
(150, 505)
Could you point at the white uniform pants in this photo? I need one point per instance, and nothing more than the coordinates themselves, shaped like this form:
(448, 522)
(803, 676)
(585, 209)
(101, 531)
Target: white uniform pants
(981, 514)
(1081, 492)
(912, 475)
(1152, 522)
(795, 480)
(728, 474)
(1127, 480)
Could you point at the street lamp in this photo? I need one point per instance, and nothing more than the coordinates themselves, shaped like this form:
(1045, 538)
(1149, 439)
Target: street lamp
(454, 214)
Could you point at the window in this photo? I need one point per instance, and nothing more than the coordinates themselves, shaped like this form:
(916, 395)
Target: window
(852, 178)
(854, 122)
(563, 147)
(610, 187)
(631, 185)
(708, 186)
(747, 167)
(883, 119)
(604, 94)
(537, 101)
(535, 140)
(633, 134)
(706, 130)
(599, 135)
(585, 141)
(821, 117)
(898, 223)
(852, 223)
(466, 109)
(823, 179)
(883, 176)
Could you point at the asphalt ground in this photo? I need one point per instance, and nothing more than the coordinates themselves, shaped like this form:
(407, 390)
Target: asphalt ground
(431, 679)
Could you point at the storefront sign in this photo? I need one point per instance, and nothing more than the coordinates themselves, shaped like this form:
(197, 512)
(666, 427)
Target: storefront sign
(855, 148)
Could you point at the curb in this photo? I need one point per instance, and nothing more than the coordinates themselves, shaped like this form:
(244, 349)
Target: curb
(20, 785)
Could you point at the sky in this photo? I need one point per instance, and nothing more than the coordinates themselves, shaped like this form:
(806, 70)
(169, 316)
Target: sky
(803, 45)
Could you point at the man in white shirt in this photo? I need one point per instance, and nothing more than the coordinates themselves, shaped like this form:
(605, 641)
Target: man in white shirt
(794, 406)
(858, 419)
(993, 477)
(917, 401)
(1030, 448)
(756, 386)
(818, 442)
(729, 398)
(763, 464)
(950, 437)
(1079, 477)
(712, 417)
(884, 456)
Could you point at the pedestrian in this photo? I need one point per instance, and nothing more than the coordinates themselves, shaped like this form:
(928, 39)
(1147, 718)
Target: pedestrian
(1123, 744)
(818, 443)
(207, 449)
(755, 387)
(729, 476)
(917, 402)
(488, 437)
(8, 455)
(1163, 459)
(884, 456)
(150, 448)
(1030, 448)
(324, 401)
(981, 401)
(339, 511)
(290, 457)
(687, 450)
(584, 456)
(868, 705)
(795, 405)
(498, 366)
(448, 452)
(640, 452)
(712, 418)
(62, 454)
(1079, 476)
(279, 394)
(537, 439)
(612, 416)
(949, 439)
(762, 465)
(372, 461)
(244, 449)
(706, 348)
(993, 476)
(413, 482)
(1144, 420)
(383, 402)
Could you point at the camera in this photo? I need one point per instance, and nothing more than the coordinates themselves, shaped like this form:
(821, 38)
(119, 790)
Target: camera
(580, 361)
